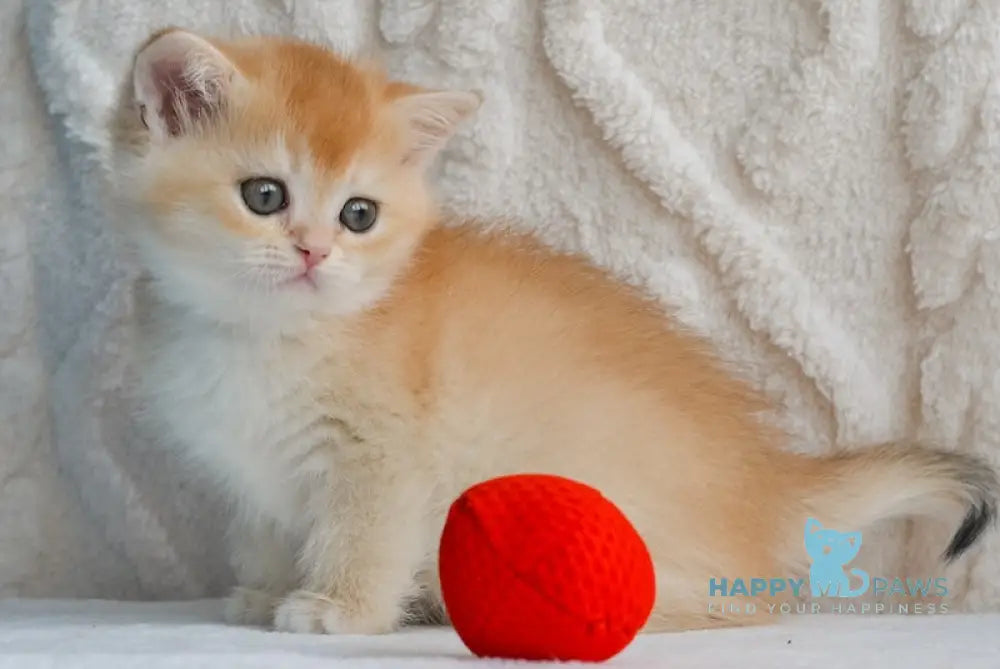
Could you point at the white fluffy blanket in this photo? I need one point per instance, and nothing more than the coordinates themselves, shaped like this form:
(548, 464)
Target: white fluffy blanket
(189, 635)
(815, 184)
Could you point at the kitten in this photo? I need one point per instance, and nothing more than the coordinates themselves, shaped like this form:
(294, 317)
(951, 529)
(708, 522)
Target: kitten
(345, 366)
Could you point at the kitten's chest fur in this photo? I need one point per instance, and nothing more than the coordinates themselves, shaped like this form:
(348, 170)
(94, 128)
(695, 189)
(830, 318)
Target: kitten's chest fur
(249, 409)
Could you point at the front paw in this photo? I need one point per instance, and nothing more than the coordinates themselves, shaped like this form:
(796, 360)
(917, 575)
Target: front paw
(246, 606)
(313, 613)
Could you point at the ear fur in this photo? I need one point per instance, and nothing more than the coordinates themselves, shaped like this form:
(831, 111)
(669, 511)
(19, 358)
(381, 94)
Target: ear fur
(430, 118)
(179, 80)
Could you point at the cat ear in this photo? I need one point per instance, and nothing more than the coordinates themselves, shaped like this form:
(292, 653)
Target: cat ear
(812, 525)
(179, 79)
(430, 119)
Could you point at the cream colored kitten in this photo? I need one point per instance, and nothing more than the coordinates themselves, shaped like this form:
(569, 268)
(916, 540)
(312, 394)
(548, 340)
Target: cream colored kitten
(346, 367)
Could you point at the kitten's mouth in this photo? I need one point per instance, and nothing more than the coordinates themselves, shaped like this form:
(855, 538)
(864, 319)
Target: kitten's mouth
(305, 279)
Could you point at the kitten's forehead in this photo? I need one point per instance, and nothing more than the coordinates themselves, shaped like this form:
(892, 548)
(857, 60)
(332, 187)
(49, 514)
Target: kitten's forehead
(306, 94)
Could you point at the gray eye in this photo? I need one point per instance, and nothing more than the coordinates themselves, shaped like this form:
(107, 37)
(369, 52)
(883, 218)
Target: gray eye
(264, 196)
(359, 214)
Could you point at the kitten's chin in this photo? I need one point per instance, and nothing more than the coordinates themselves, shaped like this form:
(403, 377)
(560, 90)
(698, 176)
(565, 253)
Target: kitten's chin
(292, 306)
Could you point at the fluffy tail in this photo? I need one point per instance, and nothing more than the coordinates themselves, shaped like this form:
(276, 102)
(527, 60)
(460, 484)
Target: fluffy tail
(854, 490)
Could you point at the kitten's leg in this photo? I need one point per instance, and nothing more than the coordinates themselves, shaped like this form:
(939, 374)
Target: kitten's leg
(263, 559)
(366, 546)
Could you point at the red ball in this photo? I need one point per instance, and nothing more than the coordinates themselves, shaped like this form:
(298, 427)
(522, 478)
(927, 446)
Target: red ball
(540, 567)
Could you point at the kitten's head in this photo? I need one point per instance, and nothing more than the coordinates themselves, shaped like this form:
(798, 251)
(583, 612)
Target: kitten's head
(271, 180)
(830, 546)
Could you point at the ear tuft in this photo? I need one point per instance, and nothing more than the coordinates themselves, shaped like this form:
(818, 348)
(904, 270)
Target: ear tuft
(179, 79)
(431, 118)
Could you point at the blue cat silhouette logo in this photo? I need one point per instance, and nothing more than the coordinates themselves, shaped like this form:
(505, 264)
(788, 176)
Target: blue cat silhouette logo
(830, 552)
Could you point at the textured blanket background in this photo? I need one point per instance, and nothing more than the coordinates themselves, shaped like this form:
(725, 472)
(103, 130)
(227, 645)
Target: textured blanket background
(813, 184)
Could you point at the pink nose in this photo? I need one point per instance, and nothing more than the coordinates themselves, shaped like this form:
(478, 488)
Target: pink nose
(312, 255)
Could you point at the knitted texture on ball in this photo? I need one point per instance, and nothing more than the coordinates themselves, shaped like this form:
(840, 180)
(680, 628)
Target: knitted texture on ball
(541, 567)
